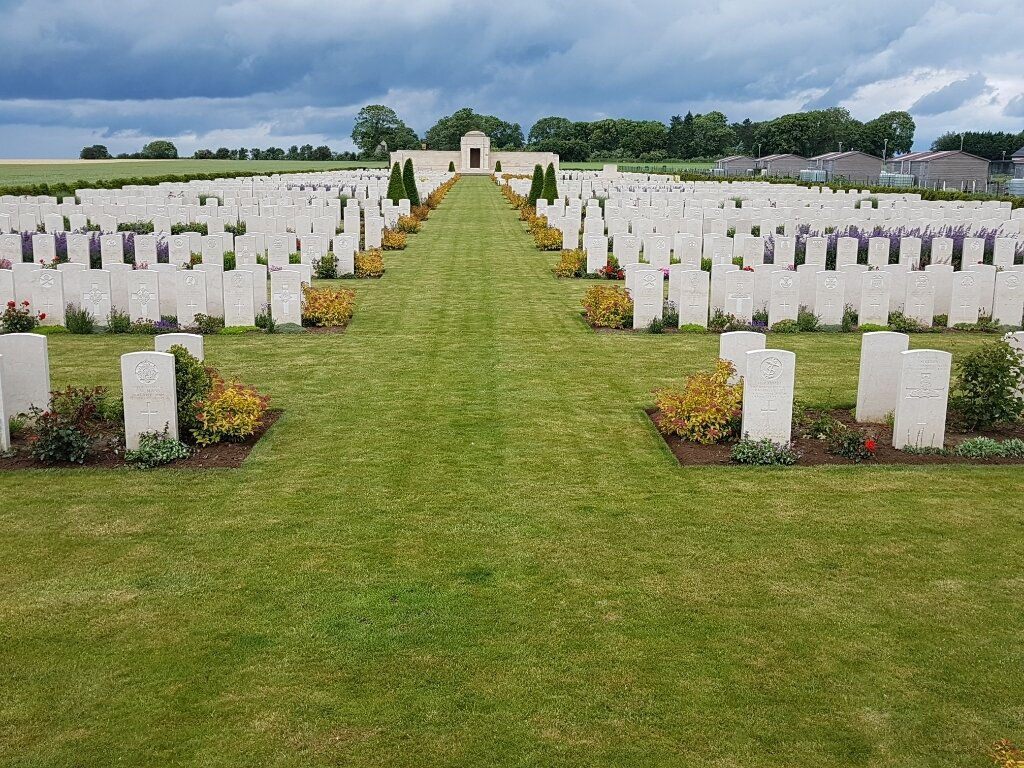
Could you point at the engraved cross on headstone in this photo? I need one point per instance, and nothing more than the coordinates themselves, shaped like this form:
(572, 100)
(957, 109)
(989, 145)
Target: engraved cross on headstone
(149, 414)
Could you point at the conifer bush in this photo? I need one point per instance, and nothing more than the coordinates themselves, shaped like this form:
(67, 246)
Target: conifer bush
(550, 184)
(396, 185)
(536, 187)
(409, 180)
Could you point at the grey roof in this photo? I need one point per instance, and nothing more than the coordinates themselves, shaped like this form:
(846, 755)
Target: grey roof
(1019, 154)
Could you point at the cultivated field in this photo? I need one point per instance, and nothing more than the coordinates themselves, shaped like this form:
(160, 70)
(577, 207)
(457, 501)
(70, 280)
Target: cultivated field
(14, 172)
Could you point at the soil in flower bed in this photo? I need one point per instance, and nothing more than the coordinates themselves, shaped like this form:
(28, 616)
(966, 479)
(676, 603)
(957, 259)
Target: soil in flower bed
(815, 452)
(110, 454)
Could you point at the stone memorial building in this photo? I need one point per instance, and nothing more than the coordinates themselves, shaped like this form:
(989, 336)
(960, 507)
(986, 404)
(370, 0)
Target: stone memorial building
(474, 158)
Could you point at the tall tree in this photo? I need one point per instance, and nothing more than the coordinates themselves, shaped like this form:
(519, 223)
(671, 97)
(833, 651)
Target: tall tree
(548, 128)
(891, 133)
(378, 130)
(396, 185)
(712, 135)
(409, 180)
(95, 152)
(160, 150)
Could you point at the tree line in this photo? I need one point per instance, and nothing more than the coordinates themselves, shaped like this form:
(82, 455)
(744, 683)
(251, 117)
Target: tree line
(378, 130)
(165, 150)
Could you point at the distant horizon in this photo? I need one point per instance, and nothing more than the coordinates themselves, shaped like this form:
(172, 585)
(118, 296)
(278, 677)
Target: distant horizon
(244, 75)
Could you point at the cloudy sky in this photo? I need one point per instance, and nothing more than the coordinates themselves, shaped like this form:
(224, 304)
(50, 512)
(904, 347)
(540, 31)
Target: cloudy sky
(281, 72)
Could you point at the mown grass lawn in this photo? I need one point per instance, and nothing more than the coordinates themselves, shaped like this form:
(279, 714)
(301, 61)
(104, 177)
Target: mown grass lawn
(463, 544)
(14, 173)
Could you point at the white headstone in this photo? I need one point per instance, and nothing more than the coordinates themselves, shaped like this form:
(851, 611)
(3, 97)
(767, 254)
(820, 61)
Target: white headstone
(648, 296)
(694, 288)
(150, 397)
(875, 291)
(259, 285)
(910, 251)
(78, 249)
(734, 345)
(112, 248)
(5, 432)
(143, 295)
(829, 296)
(239, 305)
(739, 295)
(942, 279)
(48, 296)
(44, 248)
(26, 372)
(596, 247)
(286, 296)
(878, 251)
(784, 302)
(1008, 306)
(190, 294)
(768, 395)
(846, 251)
(816, 250)
(96, 296)
(942, 251)
(923, 393)
(965, 299)
(878, 383)
(193, 342)
(920, 302)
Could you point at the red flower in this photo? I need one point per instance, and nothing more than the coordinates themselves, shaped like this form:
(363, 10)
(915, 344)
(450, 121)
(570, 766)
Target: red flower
(11, 304)
(42, 315)
(870, 445)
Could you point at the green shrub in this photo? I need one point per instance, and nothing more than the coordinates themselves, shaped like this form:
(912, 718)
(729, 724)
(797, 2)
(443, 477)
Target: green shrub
(1013, 448)
(451, 167)
(67, 430)
(903, 324)
(229, 258)
(118, 322)
(763, 453)
(707, 410)
(193, 382)
(265, 321)
(806, 321)
(719, 320)
(849, 319)
(940, 321)
(979, 448)
(850, 443)
(156, 448)
(657, 325)
(670, 314)
(786, 326)
(692, 328)
(206, 324)
(871, 328)
(78, 320)
(985, 391)
(326, 267)
(497, 167)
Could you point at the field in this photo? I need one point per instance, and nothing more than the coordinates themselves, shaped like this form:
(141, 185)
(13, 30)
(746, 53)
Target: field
(15, 172)
(463, 544)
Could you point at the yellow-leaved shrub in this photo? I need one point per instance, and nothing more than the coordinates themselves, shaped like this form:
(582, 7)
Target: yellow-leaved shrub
(410, 225)
(548, 239)
(327, 307)
(572, 264)
(369, 263)
(708, 410)
(230, 412)
(393, 240)
(608, 306)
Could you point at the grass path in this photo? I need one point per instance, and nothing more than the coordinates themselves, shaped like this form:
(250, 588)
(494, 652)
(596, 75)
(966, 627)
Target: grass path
(464, 545)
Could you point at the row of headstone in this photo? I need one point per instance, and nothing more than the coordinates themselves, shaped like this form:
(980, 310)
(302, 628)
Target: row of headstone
(147, 294)
(660, 250)
(277, 248)
(962, 296)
